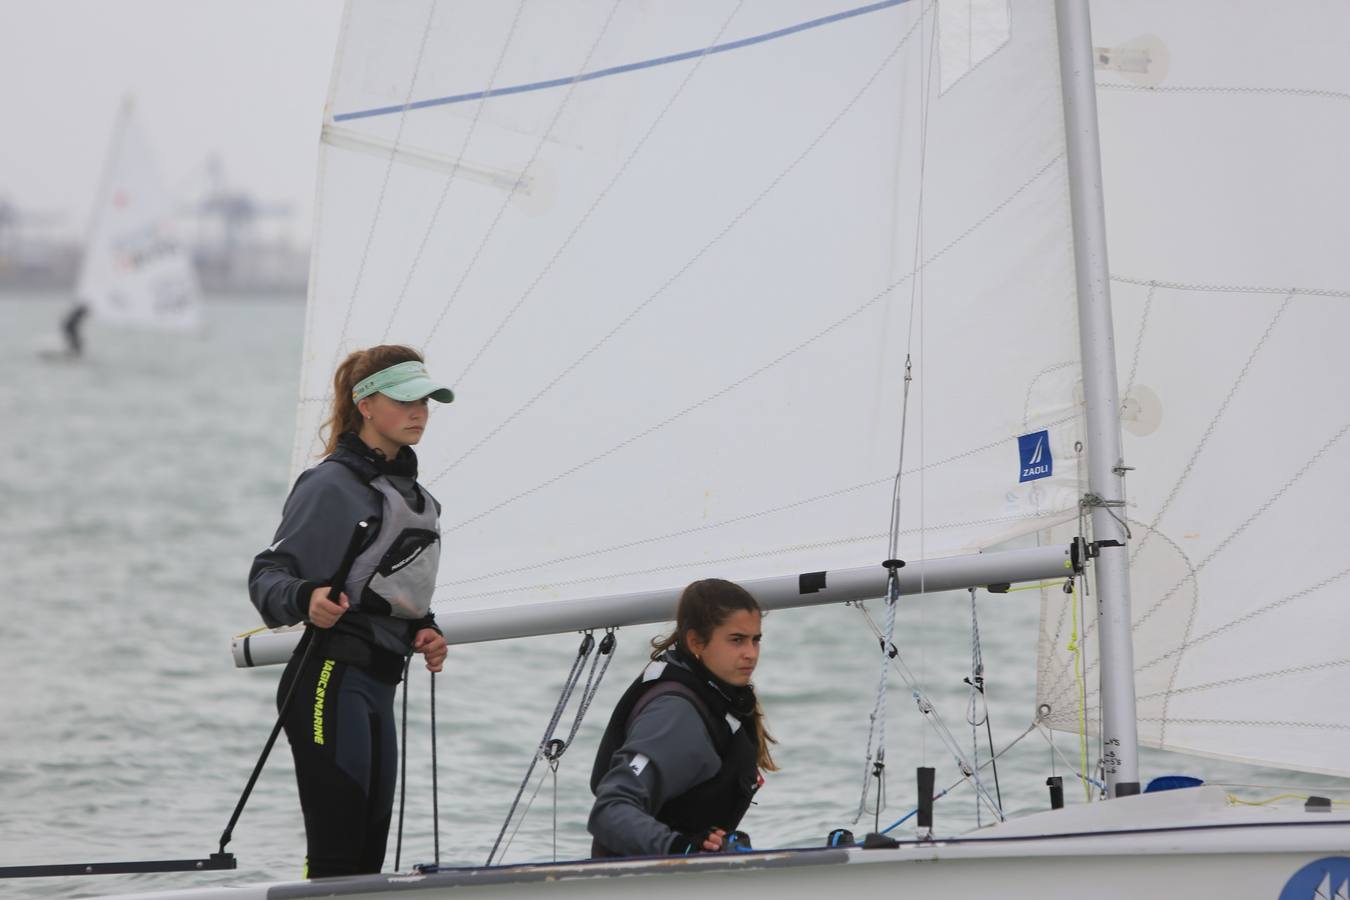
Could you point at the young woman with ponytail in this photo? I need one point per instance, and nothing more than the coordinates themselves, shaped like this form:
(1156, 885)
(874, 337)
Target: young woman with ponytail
(681, 758)
(340, 723)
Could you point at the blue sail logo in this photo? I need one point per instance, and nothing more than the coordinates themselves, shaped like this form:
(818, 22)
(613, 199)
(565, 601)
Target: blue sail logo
(1036, 459)
(1326, 877)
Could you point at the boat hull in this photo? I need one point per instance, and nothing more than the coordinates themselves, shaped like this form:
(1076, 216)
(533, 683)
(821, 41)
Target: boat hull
(1259, 860)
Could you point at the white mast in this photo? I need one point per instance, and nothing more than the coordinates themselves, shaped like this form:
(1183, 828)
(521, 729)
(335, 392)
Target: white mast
(1105, 462)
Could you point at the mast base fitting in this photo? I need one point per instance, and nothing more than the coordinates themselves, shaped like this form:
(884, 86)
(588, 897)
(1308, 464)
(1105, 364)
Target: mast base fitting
(1126, 789)
(892, 564)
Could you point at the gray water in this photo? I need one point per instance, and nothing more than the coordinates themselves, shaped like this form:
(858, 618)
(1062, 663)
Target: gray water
(138, 483)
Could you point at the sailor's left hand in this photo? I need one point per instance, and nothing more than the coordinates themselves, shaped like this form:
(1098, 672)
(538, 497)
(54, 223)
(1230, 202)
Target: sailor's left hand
(431, 645)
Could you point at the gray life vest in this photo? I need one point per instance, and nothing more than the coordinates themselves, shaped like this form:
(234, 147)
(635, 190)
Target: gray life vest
(396, 574)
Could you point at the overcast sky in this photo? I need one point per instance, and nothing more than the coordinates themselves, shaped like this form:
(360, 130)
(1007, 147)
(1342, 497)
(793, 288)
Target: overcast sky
(243, 78)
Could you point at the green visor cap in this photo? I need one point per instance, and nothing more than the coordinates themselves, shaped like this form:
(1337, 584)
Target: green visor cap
(405, 381)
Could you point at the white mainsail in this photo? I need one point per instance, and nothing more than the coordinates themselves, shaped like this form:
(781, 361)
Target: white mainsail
(134, 270)
(1223, 133)
(673, 266)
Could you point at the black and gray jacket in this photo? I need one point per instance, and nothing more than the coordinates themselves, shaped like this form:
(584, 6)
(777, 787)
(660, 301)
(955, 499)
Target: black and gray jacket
(678, 757)
(391, 580)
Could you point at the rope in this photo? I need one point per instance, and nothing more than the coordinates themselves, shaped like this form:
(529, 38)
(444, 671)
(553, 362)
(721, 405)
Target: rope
(1049, 739)
(607, 645)
(935, 720)
(1235, 800)
(403, 768)
(977, 705)
(1075, 648)
(550, 748)
(524, 813)
(992, 761)
(874, 762)
(874, 765)
(876, 768)
(435, 788)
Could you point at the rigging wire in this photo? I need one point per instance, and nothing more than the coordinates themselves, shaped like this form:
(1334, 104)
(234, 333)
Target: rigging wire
(977, 706)
(934, 719)
(551, 748)
(993, 759)
(874, 763)
(1046, 733)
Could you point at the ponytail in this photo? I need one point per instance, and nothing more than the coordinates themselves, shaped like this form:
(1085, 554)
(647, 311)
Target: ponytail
(357, 367)
(703, 606)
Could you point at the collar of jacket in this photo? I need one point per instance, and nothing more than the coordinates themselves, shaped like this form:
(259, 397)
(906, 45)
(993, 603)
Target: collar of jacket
(740, 700)
(368, 463)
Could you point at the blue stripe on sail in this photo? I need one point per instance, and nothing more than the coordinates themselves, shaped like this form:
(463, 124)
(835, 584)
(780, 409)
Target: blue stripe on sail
(619, 70)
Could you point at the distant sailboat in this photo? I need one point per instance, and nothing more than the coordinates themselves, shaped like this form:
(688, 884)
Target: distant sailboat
(135, 272)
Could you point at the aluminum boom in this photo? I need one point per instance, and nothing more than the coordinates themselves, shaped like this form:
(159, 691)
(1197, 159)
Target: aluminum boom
(780, 592)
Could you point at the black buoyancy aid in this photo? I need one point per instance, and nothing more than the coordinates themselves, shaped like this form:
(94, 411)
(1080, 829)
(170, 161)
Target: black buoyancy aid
(722, 800)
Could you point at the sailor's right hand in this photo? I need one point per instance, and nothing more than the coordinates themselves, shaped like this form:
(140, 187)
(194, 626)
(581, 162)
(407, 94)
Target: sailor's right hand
(707, 841)
(323, 612)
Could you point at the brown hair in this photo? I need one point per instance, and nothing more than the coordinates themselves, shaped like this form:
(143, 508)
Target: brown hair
(703, 606)
(356, 368)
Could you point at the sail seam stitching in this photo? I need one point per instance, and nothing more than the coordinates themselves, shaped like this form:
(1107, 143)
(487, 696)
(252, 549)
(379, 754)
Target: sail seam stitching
(633, 314)
(734, 385)
(520, 178)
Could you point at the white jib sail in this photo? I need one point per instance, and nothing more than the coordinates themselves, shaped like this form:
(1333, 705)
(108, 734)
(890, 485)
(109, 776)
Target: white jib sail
(135, 271)
(1223, 130)
(672, 266)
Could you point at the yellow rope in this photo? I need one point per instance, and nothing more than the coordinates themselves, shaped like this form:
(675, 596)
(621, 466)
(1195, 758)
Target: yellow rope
(1031, 587)
(253, 632)
(1235, 800)
(1077, 652)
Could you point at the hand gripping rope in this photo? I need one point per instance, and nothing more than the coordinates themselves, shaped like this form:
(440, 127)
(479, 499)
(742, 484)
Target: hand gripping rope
(551, 748)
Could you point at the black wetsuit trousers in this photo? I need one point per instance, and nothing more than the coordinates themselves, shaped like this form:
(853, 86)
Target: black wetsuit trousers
(343, 739)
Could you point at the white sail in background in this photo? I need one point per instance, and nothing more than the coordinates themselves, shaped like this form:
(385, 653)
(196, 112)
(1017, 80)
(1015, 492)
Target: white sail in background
(1223, 134)
(673, 265)
(134, 271)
